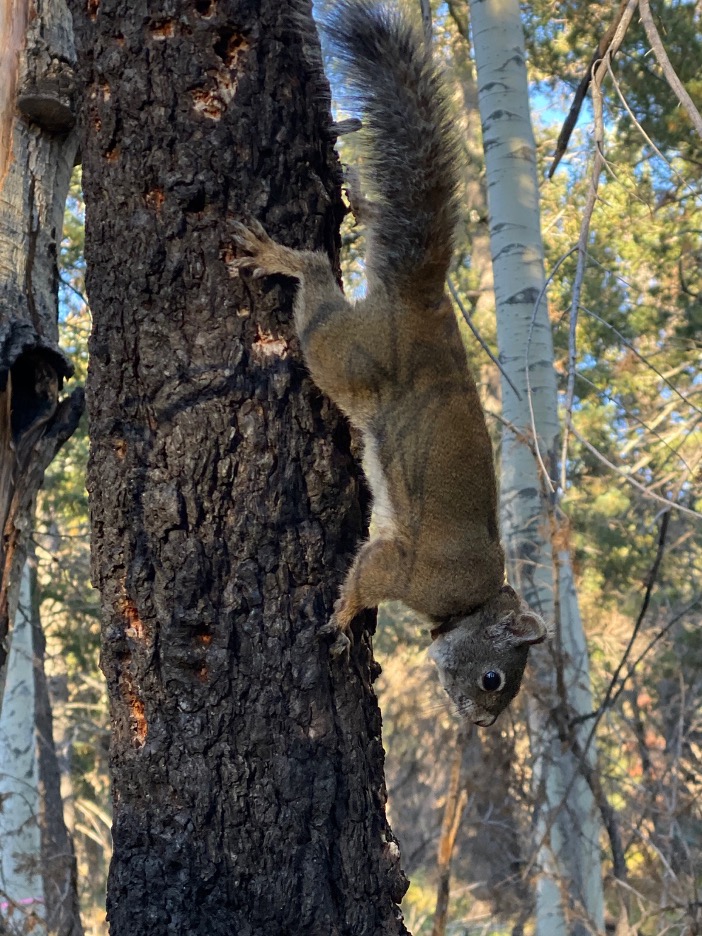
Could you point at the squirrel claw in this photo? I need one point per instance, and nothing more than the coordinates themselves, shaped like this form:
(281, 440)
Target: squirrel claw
(341, 646)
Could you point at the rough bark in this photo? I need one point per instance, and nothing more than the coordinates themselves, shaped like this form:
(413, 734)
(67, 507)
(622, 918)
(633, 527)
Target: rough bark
(37, 150)
(248, 769)
(58, 860)
(569, 887)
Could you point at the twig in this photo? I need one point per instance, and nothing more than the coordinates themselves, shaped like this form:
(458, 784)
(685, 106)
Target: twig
(567, 732)
(459, 18)
(532, 323)
(652, 643)
(633, 417)
(671, 77)
(607, 811)
(426, 23)
(643, 359)
(469, 322)
(598, 72)
(627, 477)
(646, 137)
(456, 798)
(578, 283)
(574, 112)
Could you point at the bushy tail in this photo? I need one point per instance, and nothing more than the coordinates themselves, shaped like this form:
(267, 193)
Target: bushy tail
(410, 148)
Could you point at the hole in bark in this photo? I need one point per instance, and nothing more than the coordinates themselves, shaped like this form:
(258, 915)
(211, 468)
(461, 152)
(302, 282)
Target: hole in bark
(197, 202)
(205, 7)
(229, 46)
(92, 7)
(35, 386)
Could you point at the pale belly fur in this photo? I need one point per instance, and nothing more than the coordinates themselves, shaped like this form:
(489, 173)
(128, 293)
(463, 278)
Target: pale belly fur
(383, 518)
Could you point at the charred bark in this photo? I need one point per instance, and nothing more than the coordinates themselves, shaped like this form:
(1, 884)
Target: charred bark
(248, 768)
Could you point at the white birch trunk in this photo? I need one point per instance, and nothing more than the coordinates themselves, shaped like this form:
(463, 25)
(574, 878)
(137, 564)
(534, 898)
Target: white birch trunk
(37, 150)
(21, 888)
(569, 894)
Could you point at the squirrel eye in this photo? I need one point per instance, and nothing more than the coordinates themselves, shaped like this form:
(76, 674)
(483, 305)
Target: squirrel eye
(491, 681)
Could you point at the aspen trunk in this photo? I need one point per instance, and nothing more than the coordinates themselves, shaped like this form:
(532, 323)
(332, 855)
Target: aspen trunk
(36, 851)
(21, 890)
(249, 795)
(37, 150)
(58, 860)
(569, 887)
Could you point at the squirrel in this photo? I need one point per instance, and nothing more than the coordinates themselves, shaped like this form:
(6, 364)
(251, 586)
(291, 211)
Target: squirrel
(395, 364)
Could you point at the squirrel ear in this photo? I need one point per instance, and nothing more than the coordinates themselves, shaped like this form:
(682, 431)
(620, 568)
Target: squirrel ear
(528, 628)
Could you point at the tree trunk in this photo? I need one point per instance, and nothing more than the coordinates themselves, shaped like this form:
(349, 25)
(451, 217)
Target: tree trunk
(569, 887)
(21, 890)
(248, 768)
(58, 860)
(38, 862)
(37, 150)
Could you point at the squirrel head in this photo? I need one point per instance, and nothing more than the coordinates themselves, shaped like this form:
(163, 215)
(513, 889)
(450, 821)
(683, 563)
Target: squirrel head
(481, 656)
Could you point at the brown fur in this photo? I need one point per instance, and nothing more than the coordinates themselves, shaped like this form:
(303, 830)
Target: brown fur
(395, 364)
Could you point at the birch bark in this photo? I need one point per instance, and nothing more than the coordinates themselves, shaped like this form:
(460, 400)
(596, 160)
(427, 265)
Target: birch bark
(21, 890)
(569, 888)
(37, 151)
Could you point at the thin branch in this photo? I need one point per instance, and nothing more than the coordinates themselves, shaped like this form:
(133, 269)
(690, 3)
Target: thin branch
(574, 112)
(69, 285)
(652, 643)
(459, 18)
(670, 75)
(634, 418)
(627, 477)
(607, 811)
(581, 752)
(646, 137)
(598, 73)
(532, 323)
(469, 322)
(643, 359)
(426, 22)
(578, 283)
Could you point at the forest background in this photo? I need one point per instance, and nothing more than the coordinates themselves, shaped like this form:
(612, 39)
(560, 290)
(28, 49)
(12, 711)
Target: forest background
(634, 452)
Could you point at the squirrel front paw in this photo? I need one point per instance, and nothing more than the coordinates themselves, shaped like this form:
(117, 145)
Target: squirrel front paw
(340, 630)
(255, 245)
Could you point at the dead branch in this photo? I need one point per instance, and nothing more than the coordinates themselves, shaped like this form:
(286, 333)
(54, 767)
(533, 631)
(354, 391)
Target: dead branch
(671, 77)
(605, 45)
